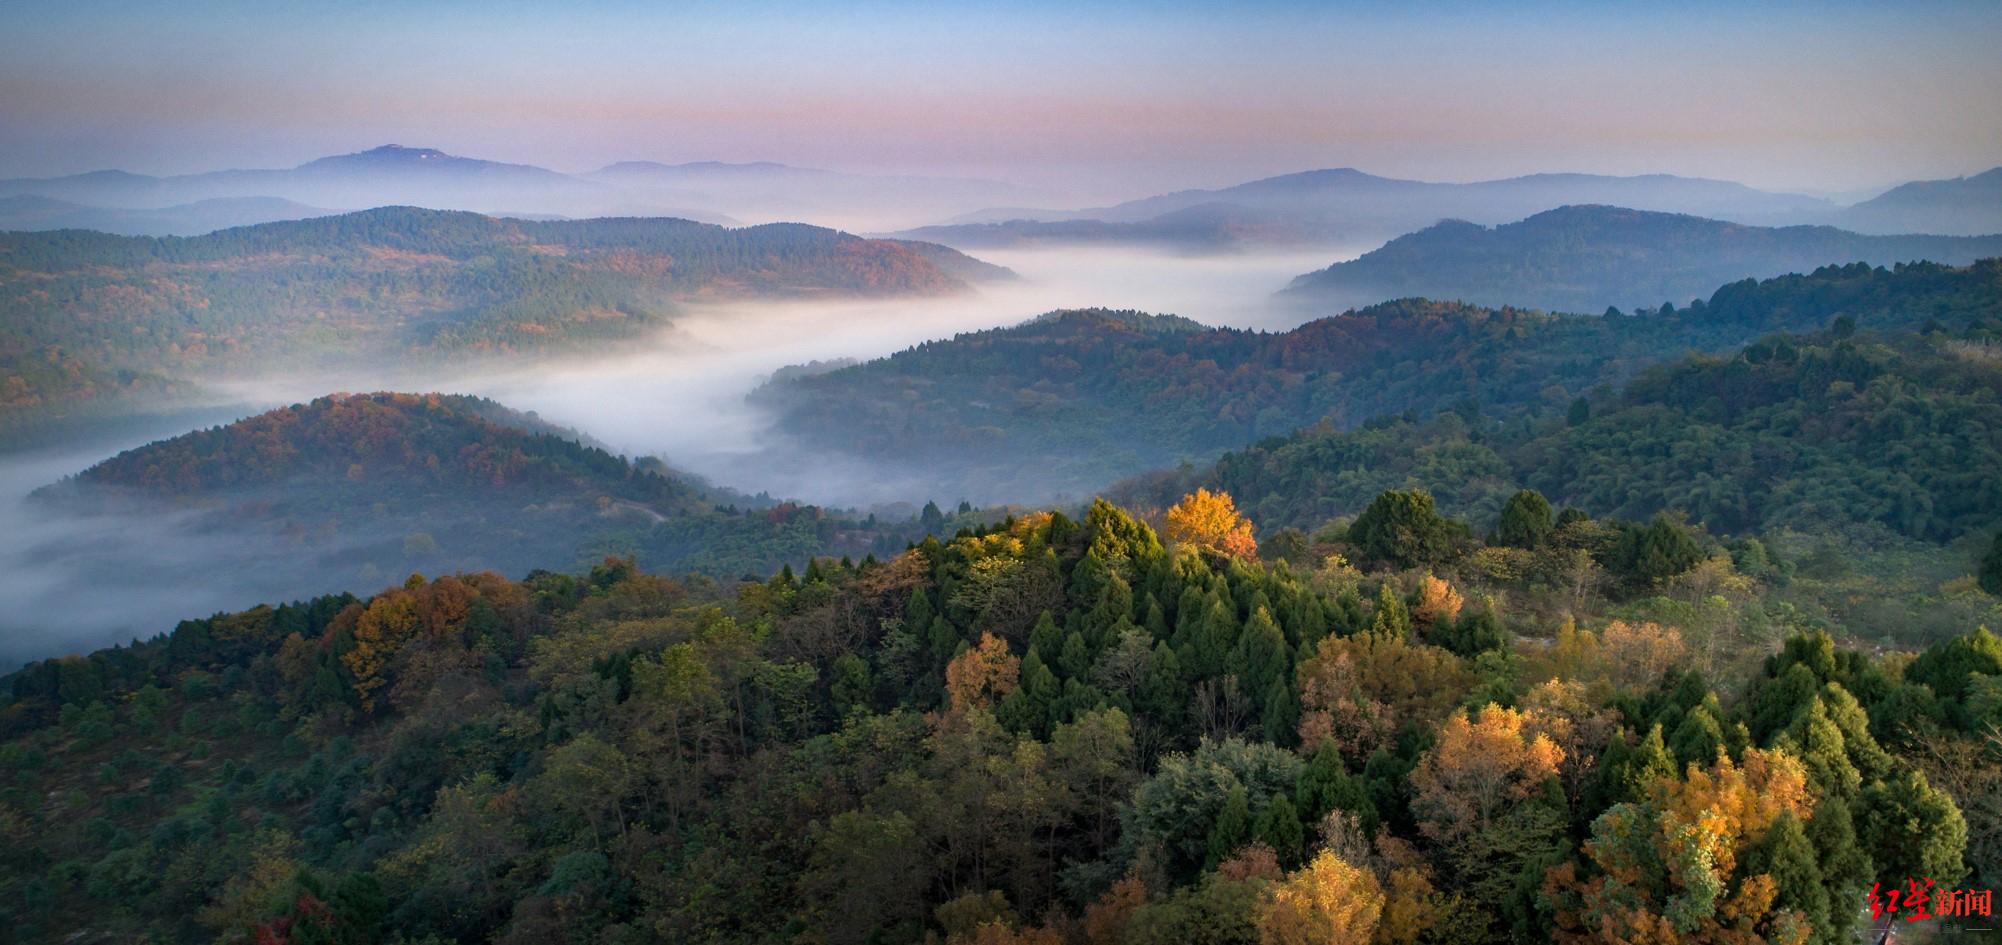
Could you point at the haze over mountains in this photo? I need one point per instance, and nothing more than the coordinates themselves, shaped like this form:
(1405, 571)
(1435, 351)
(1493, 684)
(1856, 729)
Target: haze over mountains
(1346, 205)
(393, 174)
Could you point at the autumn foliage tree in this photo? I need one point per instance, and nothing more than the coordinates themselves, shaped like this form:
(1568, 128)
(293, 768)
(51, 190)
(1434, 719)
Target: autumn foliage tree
(1210, 521)
(1478, 767)
(1328, 900)
(1678, 866)
(982, 675)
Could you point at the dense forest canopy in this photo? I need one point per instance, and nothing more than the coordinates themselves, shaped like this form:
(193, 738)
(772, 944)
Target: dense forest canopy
(1047, 730)
(92, 315)
(1587, 258)
(1793, 431)
(1069, 402)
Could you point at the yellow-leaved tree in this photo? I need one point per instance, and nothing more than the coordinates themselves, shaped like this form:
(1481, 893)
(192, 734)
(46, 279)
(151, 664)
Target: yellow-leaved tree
(1328, 900)
(1477, 768)
(1209, 521)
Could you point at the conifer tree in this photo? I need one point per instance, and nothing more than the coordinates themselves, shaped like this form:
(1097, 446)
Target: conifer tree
(1231, 829)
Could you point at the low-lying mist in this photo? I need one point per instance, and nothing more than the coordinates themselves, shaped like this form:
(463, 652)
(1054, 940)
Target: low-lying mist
(679, 396)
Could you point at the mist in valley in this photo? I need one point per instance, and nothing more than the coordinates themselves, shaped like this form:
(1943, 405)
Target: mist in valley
(79, 580)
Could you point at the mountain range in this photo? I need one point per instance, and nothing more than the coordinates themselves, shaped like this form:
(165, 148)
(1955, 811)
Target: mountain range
(427, 177)
(1345, 206)
(1589, 258)
(1319, 207)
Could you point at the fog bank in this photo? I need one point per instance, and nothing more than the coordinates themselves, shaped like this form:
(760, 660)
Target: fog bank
(679, 395)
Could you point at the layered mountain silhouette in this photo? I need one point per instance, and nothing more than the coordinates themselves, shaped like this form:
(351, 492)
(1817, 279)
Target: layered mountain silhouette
(1348, 206)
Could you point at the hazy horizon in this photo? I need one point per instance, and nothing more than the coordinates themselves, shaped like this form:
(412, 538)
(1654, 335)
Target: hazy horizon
(1084, 103)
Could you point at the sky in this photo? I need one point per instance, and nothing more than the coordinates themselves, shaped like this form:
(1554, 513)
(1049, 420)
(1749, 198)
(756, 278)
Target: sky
(1101, 99)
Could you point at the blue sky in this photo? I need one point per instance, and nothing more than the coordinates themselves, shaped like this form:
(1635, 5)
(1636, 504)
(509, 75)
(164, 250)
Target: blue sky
(1112, 98)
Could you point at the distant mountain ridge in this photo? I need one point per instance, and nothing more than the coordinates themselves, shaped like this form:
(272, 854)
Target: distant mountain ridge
(1588, 258)
(1962, 206)
(708, 191)
(32, 213)
(1346, 206)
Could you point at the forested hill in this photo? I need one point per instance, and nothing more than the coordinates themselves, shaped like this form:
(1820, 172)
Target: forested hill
(1045, 732)
(1805, 432)
(1072, 401)
(385, 440)
(339, 492)
(1587, 258)
(396, 283)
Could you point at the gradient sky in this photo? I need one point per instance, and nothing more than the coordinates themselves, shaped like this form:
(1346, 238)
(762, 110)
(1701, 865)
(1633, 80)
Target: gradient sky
(1107, 99)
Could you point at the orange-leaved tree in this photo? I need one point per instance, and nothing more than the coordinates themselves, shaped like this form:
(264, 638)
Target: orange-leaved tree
(982, 675)
(1209, 521)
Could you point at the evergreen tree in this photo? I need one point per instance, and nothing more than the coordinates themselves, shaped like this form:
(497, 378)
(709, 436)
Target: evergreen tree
(1282, 712)
(1648, 556)
(1261, 657)
(1231, 829)
(1326, 786)
(1045, 635)
(1818, 744)
(1845, 867)
(1990, 573)
(1648, 762)
(1279, 828)
(1164, 692)
(1392, 618)
(1526, 520)
(1913, 830)
(1581, 411)
(1698, 738)
(1786, 855)
(1215, 638)
(1405, 529)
